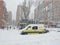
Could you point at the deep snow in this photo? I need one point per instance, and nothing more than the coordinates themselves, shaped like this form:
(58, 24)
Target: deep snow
(13, 37)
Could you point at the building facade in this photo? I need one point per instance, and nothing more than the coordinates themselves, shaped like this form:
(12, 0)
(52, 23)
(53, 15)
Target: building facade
(20, 14)
(9, 18)
(48, 11)
(3, 12)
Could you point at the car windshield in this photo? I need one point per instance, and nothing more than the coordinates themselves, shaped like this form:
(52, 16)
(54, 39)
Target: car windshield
(28, 27)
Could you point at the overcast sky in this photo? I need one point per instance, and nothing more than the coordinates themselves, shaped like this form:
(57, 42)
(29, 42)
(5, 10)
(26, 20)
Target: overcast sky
(12, 6)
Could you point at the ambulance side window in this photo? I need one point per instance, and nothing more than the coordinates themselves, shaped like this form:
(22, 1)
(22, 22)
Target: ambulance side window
(35, 27)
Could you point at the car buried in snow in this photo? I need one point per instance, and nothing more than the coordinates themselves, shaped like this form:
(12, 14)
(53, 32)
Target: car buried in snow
(33, 29)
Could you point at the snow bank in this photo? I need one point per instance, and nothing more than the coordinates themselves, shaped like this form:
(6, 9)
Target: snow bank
(53, 29)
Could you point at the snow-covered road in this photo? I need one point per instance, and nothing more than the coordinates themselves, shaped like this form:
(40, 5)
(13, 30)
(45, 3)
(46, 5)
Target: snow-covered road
(13, 37)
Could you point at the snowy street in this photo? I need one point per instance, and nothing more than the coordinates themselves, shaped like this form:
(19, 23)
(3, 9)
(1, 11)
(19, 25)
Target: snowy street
(13, 37)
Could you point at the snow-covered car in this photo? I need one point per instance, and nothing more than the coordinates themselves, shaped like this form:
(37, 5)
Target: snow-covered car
(34, 28)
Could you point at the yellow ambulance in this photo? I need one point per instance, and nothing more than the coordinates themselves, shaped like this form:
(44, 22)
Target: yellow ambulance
(33, 29)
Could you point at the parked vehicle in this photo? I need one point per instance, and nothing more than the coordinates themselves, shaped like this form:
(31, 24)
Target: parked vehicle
(34, 28)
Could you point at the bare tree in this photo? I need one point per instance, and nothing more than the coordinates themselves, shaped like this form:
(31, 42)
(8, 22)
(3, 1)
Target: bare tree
(26, 9)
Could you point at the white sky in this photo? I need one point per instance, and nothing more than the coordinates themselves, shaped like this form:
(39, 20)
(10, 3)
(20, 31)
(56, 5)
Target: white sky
(12, 6)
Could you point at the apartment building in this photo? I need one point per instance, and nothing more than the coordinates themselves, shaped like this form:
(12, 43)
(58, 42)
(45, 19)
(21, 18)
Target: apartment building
(20, 14)
(49, 11)
(3, 12)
